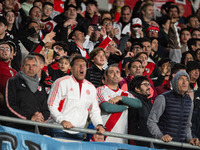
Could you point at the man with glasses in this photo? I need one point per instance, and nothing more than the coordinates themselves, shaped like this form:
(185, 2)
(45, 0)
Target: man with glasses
(137, 118)
(6, 70)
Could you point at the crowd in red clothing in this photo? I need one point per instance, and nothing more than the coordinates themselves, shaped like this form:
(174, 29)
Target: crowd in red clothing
(139, 43)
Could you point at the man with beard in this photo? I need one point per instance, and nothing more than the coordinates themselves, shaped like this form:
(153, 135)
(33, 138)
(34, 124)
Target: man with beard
(114, 104)
(137, 118)
(6, 70)
(147, 15)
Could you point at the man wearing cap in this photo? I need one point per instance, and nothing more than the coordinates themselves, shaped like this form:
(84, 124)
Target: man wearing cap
(152, 32)
(170, 116)
(67, 21)
(136, 30)
(60, 49)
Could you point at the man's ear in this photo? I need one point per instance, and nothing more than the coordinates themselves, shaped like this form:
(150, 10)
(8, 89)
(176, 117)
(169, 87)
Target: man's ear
(137, 90)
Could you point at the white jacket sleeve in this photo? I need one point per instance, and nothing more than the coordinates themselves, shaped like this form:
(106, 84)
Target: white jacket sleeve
(55, 96)
(95, 112)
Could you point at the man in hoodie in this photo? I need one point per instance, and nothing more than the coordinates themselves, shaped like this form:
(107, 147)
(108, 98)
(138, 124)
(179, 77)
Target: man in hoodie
(170, 116)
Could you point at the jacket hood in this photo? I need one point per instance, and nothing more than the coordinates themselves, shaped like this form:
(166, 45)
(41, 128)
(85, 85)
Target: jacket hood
(176, 77)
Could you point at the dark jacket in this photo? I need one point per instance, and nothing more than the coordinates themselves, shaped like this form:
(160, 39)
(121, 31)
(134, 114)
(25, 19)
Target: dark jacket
(94, 75)
(137, 118)
(22, 102)
(171, 113)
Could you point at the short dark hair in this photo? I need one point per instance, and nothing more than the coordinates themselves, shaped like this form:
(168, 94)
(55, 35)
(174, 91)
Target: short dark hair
(135, 60)
(29, 57)
(3, 20)
(191, 16)
(13, 44)
(48, 3)
(140, 53)
(110, 66)
(136, 82)
(63, 45)
(143, 8)
(192, 41)
(171, 7)
(33, 8)
(5, 42)
(176, 68)
(95, 51)
(91, 2)
(184, 29)
(36, 1)
(64, 57)
(125, 7)
(77, 57)
(145, 39)
(41, 57)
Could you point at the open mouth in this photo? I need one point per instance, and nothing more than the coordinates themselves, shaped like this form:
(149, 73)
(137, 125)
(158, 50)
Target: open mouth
(81, 72)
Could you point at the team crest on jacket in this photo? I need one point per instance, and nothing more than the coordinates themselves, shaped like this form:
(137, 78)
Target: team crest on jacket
(47, 89)
(11, 72)
(39, 88)
(147, 69)
(88, 92)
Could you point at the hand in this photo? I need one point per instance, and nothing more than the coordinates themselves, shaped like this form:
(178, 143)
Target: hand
(90, 30)
(140, 32)
(115, 100)
(67, 124)
(166, 138)
(128, 46)
(38, 117)
(49, 37)
(153, 23)
(98, 138)
(18, 5)
(130, 54)
(165, 68)
(70, 22)
(100, 129)
(103, 31)
(194, 141)
(117, 52)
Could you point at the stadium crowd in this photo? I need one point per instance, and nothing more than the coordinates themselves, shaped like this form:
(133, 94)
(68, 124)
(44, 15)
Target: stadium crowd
(129, 71)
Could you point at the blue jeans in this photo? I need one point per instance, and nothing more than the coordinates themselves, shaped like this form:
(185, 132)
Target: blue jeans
(59, 133)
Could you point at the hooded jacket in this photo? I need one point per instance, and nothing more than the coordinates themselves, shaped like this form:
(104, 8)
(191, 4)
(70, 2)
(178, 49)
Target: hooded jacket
(171, 113)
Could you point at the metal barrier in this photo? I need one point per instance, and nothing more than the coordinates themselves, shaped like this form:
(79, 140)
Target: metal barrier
(90, 131)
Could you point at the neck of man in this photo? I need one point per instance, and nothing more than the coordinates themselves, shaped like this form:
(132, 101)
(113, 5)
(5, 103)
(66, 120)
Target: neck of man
(113, 86)
(5, 60)
(99, 66)
(192, 80)
(39, 74)
(79, 43)
(10, 25)
(147, 20)
(2, 35)
(44, 17)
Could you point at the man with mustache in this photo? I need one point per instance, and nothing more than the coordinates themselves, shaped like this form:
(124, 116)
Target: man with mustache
(137, 118)
(114, 104)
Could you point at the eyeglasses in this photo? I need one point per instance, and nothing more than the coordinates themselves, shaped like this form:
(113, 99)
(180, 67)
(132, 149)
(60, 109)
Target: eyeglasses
(107, 24)
(153, 31)
(137, 48)
(4, 48)
(146, 84)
